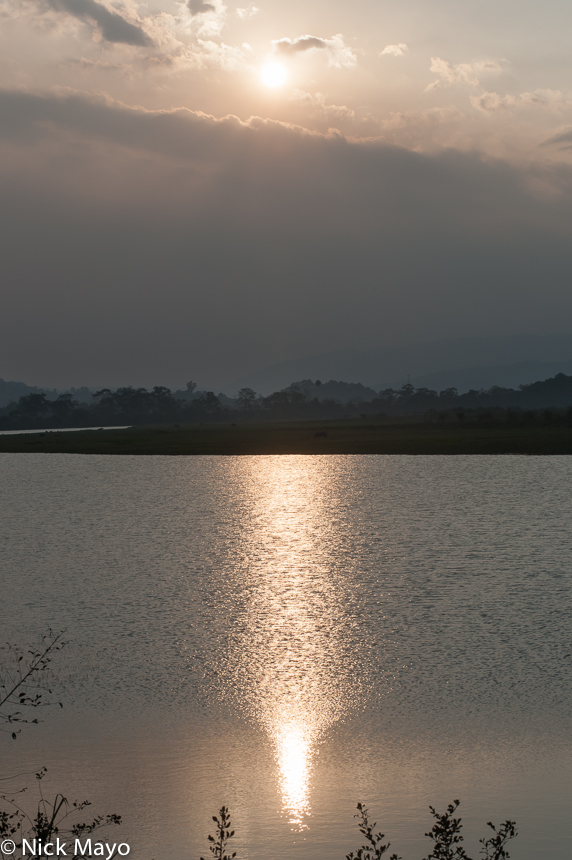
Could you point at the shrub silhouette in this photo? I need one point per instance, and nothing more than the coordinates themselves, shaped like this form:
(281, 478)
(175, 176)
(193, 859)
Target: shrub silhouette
(25, 679)
(374, 847)
(223, 835)
(445, 835)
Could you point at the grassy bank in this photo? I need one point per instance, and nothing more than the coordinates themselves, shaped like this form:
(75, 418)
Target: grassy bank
(365, 436)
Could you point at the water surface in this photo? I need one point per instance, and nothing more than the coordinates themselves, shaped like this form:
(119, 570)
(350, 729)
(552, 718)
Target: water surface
(291, 634)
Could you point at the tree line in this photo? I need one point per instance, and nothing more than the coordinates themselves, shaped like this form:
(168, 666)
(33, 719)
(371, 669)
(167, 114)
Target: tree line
(546, 402)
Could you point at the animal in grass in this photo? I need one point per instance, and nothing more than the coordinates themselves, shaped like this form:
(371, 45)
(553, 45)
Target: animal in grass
(321, 434)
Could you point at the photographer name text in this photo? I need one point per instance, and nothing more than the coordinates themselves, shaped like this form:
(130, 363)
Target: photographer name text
(85, 848)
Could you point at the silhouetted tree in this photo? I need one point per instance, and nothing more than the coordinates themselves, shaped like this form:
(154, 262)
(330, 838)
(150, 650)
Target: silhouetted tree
(246, 399)
(207, 405)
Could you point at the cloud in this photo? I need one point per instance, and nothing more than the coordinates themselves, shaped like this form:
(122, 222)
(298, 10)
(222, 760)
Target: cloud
(230, 58)
(208, 17)
(199, 7)
(423, 130)
(494, 103)
(112, 26)
(199, 55)
(295, 46)
(395, 50)
(463, 73)
(141, 242)
(318, 107)
(563, 139)
(247, 12)
(339, 54)
(96, 65)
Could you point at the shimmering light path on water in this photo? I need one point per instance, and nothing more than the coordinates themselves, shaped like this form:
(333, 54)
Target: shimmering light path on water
(289, 635)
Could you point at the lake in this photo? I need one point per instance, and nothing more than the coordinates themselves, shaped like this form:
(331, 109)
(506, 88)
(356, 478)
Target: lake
(289, 635)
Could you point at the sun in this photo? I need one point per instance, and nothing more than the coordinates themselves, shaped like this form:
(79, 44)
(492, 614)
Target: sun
(273, 75)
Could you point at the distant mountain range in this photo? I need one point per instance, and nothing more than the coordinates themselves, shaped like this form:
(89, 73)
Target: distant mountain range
(461, 363)
(505, 376)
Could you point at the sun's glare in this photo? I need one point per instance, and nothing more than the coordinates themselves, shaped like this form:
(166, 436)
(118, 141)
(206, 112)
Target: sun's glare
(273, 75)
(294, 758)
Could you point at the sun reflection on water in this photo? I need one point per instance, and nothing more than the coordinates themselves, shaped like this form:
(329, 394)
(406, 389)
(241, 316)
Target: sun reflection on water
(294, 759)
(287, 654)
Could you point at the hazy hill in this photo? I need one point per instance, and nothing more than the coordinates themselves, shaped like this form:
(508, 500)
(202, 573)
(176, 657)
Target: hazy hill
(10, 392)
(343, 392)
(461, 362)
(505, 376)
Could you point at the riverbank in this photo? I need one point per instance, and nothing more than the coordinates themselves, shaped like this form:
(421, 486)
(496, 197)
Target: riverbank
(365, 436)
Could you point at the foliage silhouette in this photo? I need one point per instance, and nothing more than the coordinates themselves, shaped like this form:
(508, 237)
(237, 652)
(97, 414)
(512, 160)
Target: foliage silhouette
(445, 835)
(374, 847)
(50, 818)
(25, 678)
(539, 404)
(494, 847)
(218, 843)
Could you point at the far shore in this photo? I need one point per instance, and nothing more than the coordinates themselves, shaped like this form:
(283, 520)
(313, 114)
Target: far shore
(359, 436)
(62, 430)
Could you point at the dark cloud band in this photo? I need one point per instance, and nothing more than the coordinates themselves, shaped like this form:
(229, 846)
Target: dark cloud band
(156, 240)
(113, 27)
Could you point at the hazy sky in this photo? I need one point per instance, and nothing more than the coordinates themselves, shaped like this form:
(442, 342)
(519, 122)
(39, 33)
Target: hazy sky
(197, 190)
